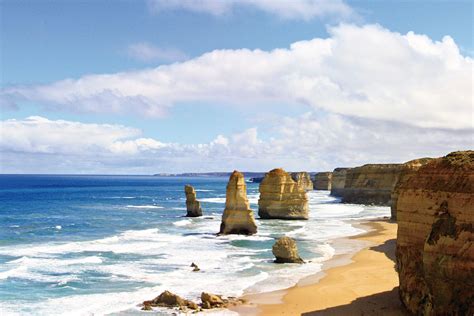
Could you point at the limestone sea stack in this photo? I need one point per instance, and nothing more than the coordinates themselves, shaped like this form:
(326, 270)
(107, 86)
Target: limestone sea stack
(371, 184)
(281, 197)
(409, 169)
(193, 206)
(303, 179)
(238, 217)
(338, 181)
(435, 242)
(286, 251)
(322, 181)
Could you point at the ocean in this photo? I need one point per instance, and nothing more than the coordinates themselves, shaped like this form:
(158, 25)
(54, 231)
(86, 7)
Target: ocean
(82, 245)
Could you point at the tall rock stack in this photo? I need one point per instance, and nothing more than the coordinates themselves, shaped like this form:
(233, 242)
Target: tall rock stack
(409, 169)
(338, 181)
(322, 181)
(303, 179)
(193, 206)
(281, 197)
(238, 217)
(371, 184)
(435, 242)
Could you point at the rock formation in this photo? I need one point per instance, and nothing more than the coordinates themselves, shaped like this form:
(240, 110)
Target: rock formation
(286, 251)
(435, 242)
(168, 299)
(409, 169)
(238, 217)
(322, 181)
(303, 179)
(338, 181)
(371, 184)
(193, 206)
(281, 197)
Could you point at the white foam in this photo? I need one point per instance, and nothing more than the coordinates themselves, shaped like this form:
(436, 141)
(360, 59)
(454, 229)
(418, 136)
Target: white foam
(183, 222)
(213, 200)
(144, 206)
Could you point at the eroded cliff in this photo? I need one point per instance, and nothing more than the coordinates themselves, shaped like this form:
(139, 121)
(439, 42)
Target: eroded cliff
(338, 181)
(435, 242)
(303, 179)
(322, 181)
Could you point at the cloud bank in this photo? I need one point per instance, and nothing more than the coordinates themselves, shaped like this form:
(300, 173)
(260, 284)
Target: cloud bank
(300, 9)
(366, 72)
(309, 142)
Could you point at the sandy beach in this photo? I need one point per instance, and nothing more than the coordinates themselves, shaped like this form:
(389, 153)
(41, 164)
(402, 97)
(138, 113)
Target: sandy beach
(367, 285)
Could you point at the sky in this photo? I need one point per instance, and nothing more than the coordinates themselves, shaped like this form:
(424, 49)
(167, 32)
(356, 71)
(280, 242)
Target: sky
(169, 86)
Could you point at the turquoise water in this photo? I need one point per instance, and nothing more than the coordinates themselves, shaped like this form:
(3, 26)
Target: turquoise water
(76, 245)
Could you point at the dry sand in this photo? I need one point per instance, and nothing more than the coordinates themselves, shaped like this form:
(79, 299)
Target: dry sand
(368, 285)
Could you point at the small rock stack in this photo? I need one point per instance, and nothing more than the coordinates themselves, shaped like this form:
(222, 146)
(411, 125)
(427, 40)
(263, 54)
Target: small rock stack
(303, 179)
(286, 251)
(193, 206)
(322, 181)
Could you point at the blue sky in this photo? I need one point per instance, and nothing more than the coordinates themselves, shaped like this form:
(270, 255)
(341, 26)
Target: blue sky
(44, 42)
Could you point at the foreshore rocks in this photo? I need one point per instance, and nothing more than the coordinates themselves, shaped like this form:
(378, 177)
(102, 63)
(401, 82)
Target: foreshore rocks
(435, 242)
(237, 217)
(322, 181)
(303, 179)
(409, 169)
(168, 299)
(338, 181)
(286, 251)
(371, 184)
(281, 197)
(193, 206)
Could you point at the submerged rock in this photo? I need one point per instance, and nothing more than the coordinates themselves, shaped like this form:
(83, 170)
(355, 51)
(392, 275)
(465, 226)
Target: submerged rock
(338, 181)
(435, 240)
(303, 179)
(193, 206)
(237, 217)
(195, 267)
(322, 181)
(286, 251)
(281, 197)
(409, 169)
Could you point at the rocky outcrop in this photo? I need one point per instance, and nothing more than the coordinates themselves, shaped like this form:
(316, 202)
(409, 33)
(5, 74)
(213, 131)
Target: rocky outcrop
(237, 217)
(193, 206)
(338, 181)
(435, 242)
(281, 197)
(168, 299)
(286, 251)
(409, 169)
(371, 184)
(303, 179)
(322, 181)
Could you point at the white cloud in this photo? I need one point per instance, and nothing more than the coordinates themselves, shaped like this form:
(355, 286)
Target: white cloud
(312, 142)
(366, 72)
(286, 9)
(148, 53)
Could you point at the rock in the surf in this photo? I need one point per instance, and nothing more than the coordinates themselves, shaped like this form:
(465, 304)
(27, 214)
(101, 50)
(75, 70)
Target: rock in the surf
(281, 197)
(193, 206)
(168, 299)
(237, 217)
(303, 179)
(286, 251)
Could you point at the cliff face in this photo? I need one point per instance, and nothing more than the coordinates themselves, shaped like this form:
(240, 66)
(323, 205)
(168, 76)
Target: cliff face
(281, 197)
(238, 217)
(338, 181)
(193, 206)
(409, 169)
(435, 242)
(322, 181)
(303, 179)
(371, 184)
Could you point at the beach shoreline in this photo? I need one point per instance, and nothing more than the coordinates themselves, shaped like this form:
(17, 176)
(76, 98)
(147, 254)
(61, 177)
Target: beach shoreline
(361, 281)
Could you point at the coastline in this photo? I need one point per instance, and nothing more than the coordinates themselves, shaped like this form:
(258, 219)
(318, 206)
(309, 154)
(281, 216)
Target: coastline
(362, 281)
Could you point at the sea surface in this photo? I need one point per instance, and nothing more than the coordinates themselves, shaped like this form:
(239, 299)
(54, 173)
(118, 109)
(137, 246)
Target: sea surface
(82, 245)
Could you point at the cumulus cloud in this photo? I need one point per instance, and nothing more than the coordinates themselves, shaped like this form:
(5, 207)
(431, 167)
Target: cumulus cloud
(147, 52)
(295, 9)
(313, 142)
(366, 72)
